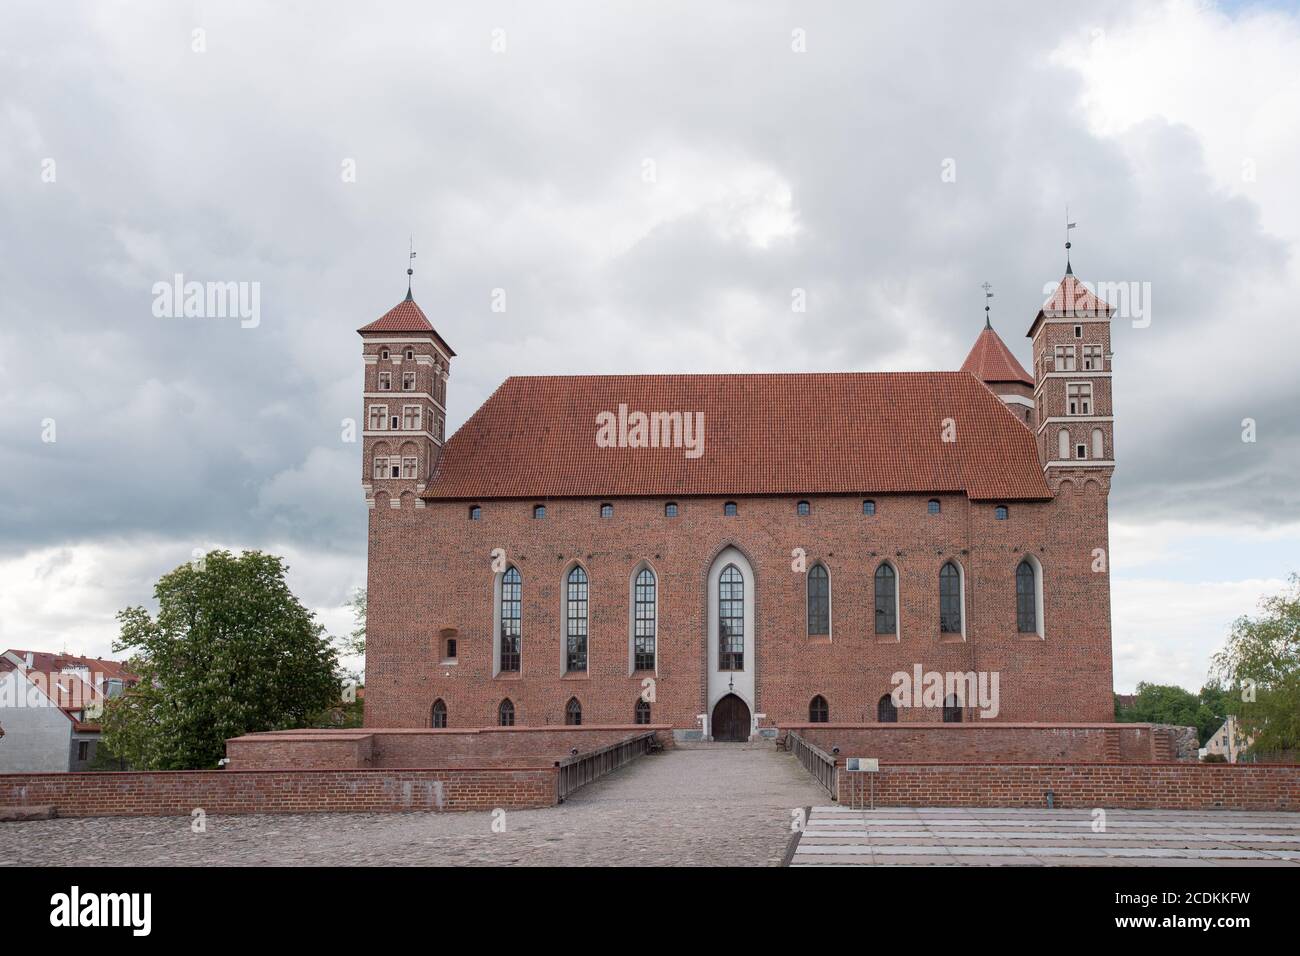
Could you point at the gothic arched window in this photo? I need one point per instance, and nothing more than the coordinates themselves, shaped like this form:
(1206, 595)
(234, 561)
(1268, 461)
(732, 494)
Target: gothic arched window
(575, 616)
(643, 620)
(731, 619)
(1026, 598)
(511, 636)
(886, 712)
(886, 599)
(438, 716)
(949, 599)
(819, 601)
(641, 712)
(506, 713)
(951, 710)
(818, 711)
(573, 713)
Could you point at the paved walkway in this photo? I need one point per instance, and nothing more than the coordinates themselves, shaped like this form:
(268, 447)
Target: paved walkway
(925, 837)
(721, 805)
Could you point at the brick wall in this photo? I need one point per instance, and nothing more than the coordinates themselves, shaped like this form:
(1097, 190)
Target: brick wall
(1176, 786)
(420, 748)
(430, 571)
(169, 793)
(991, 742)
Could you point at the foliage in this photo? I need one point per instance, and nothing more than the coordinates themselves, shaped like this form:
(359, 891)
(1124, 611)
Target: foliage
(231, 652)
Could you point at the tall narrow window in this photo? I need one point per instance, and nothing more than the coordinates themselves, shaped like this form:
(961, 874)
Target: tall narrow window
(1098, 444)
(1026, 598)
(575, 617)
(641, 712)
(819, 601)
(949, 599)
(573, 713)
(643, 621)
(731, 619)
(886, 600)
(886, 712)
(506, 713)
(438, 717)
(511, 636)
(818, 712)
(1063, 444)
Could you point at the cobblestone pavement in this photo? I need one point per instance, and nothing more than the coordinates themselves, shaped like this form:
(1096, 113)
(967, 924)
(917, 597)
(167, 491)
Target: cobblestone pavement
(925, 837)
(720, 805)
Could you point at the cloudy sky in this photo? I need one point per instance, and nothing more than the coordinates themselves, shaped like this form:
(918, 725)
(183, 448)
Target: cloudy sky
(648, 183)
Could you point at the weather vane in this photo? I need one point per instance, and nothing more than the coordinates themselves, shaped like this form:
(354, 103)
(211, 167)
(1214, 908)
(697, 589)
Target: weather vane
(1069, 270)
(410, 260)
(988, 294)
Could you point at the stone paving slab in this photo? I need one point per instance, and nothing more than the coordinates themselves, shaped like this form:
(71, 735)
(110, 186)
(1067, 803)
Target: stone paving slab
(837, 835)
(710, 806)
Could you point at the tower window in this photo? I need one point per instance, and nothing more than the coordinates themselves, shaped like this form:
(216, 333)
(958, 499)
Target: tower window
(393, 423)
(381, 467)
(378, 416)
(932, 506)
(1063, 444)
(1098, 443)
(1078, 331)
(394, 468)
(410, 354)
(803, 509)
(607, 510)
(408, 381)
(670, 510)
(409, 466)
(506, 713)
(868, 507)
(1000, 513)
(641, 712)
(438, 716)
(539, 511)
(1080, 451)
(384, 353)
(411, 418)
(573, 713)
(818, 711)
(1065, 358)
(475, 513)
(385, 381)
(729, 509)
(1079, 398)
(1092, 358)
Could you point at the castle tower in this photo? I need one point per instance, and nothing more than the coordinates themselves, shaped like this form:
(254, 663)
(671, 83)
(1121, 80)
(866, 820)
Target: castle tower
(1072, 393)
(993, 364)
(405, 409)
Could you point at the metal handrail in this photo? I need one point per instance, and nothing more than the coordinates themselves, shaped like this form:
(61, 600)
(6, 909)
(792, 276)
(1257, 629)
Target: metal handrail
(815, 760)
(581, 769)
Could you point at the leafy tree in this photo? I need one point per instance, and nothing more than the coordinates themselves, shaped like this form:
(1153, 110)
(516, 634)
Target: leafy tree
(1170, 704)
(231, 652)
(356, 642)
(1262, 661)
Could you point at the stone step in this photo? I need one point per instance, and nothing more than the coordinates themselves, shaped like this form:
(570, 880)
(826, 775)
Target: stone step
(19, 814)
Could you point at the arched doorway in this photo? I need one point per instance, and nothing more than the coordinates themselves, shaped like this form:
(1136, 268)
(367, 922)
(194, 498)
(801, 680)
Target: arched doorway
(730, 719)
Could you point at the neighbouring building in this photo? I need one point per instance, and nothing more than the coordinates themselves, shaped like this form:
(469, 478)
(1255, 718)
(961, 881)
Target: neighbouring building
(727, 552)
(1228, 741)
(49, 704)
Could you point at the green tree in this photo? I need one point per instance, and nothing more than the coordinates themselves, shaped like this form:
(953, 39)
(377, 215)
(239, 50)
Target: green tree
(231, 652)
(1261, 663)
(356, 642)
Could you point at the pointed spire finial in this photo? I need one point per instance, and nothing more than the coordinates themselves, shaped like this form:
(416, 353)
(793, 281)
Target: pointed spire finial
(410, 271)
(988, 294)
(1069, 269)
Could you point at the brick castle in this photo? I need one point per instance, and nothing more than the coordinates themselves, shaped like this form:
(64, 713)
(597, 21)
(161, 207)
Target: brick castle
(725, 553)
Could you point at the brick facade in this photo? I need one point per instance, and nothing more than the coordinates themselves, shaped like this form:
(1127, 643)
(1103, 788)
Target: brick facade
(432, 576)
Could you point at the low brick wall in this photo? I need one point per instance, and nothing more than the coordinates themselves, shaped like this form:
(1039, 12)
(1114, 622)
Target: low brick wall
(422, 747)
(990, 742)
(179, 792)
(1167, 786)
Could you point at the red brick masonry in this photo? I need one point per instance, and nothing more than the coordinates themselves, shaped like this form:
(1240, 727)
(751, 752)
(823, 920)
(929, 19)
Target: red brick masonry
(1180, 786)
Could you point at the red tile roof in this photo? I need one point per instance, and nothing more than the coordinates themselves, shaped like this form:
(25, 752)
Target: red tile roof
(69, 691)
(1071, 299)
(815, 433)
(991, 361)
(406, 316)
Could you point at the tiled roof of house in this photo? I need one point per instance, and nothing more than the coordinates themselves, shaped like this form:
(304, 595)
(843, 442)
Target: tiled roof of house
(63, 683)
(991, 361)
(406, 316)
(812, 433)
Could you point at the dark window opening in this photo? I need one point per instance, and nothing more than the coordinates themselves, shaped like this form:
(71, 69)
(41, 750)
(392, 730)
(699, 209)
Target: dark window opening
(641, 713)
(868, 507)
(1026, 598)
(576, 621)
(731, 619)
(573, 713)
(511, 638)
(729, 509)
(506, 713)
(818, 712)
(1000, 513)
(886, 603)
(932, 506)
(886, 712)
(438, 718)
(819, 601)
(643, 621)
(539, 511)
(475, 513)
(607, 510)
(670, 510)
(949, 599)
(803, 508)
(951, 710)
